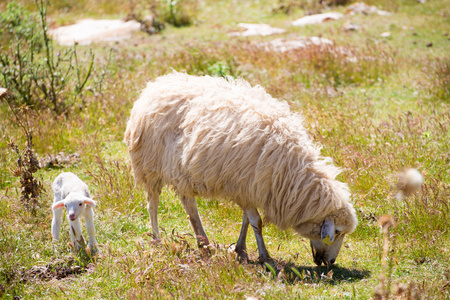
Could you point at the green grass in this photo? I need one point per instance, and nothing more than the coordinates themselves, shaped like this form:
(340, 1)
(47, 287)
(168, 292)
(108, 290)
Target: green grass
(388, 111)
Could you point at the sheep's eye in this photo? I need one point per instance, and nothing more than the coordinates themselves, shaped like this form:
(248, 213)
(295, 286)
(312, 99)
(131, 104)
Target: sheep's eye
(337, 232)
(80, 204)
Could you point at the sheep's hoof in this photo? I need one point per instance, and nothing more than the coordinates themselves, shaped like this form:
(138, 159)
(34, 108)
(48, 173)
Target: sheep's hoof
(270, 266)
(207, 249)
(202, 242)
(242, 257)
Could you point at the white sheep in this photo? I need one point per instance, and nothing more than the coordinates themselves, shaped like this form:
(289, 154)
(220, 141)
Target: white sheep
(216, 137)
(73, 194)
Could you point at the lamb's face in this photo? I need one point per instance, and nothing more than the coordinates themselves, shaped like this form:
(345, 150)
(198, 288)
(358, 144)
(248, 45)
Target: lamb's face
(75, 204)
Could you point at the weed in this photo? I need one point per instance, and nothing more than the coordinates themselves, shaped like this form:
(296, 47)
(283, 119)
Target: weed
(115, 186)
(438, 75)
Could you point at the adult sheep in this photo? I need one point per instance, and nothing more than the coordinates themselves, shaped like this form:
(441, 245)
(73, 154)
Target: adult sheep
(217, 137)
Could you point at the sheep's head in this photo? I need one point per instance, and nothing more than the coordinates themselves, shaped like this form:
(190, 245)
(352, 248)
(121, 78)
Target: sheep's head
(326, 238)
(75, 204)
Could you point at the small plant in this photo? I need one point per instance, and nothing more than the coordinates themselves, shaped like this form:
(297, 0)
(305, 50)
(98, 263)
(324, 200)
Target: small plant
(180, 13)
(219, 69)
(384, 288)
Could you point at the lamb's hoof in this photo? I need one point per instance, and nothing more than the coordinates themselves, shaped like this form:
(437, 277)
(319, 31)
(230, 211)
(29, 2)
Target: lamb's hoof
(92, 251)
(155, 241)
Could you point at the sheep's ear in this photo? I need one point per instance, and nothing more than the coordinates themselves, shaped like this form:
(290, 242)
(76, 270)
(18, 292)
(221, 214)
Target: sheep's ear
(327, 233)
(58, 205)
(89, 202)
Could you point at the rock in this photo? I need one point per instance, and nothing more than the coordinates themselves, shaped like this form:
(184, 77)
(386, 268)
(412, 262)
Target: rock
(362, 8)
(59, 160)
(283, 45)
(349, 26)
(430, 45)
(385, 34)
(257, 29)
(84, 32)
(317, 19)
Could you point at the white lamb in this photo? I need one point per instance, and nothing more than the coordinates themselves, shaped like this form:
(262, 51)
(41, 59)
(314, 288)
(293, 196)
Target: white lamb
(216, 137)
(73, 194)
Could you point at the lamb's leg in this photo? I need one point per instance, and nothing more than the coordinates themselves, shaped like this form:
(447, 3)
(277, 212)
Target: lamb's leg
(256, 222)
(241, 247)
(76, 234)
(89, 217)
(190, 206)
(152, 208)
(56, 224)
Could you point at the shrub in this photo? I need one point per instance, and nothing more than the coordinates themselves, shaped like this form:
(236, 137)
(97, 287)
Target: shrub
(18, 23)
(37, 76)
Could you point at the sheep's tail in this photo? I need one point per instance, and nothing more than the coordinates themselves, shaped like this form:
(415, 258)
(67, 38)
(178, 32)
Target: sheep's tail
(133, 134)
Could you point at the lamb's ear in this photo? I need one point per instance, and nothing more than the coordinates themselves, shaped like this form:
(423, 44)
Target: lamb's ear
(327, 232)
(89, 202)
(57, 205)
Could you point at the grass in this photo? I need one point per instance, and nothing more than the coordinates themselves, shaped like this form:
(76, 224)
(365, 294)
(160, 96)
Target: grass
(376, 105)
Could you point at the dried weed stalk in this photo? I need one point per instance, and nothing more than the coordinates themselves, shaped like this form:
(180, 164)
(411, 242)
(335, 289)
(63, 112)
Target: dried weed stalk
(27, 163)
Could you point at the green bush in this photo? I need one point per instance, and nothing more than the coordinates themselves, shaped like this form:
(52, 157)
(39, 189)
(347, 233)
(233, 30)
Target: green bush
(39, 76)
(17, 23)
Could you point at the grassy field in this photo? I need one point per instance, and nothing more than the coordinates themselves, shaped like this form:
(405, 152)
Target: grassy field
(376, 104)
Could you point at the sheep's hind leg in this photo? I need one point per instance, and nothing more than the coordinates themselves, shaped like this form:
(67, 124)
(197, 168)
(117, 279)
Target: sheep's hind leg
(152, 208)
(241, 248)
(256, 222)
(190, 206)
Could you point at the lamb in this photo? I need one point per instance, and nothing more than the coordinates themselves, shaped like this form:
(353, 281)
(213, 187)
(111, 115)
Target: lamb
(71, 192)
(221, 138)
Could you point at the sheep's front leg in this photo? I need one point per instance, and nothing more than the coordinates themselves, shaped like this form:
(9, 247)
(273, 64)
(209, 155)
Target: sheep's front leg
(190, 206)
(89, 217)
(56, 224)
(256, 222)
(76, 234)
(152, 208)
(241, 248)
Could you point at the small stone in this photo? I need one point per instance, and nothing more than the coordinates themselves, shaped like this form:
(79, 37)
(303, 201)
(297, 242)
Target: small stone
(317, 19)
(257, 29)
(430, 45)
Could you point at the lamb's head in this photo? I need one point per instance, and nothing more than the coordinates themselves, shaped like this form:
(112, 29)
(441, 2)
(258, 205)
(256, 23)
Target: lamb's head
(327, 236)
(75, 204)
